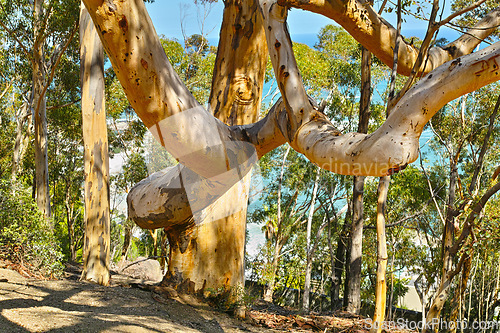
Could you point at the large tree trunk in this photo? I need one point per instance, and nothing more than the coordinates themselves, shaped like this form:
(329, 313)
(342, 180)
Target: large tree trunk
(387, 150)
(210, 252)
(40, 117)
(97, 230)
(160, 99)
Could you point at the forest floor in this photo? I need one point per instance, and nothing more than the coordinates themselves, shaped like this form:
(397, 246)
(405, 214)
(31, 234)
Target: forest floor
(28, 304)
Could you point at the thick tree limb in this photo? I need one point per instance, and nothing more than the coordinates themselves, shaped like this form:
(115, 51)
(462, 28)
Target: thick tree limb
(395, 143)
(210, 148)
(378, 36)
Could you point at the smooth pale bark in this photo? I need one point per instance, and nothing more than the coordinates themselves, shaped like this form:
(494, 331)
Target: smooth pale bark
(381, 286)
(207, 250)
(395, 144)
(309, 251)
(21, 141)
(387, 150)
(363, 22)
(39, 107)
(96, 254)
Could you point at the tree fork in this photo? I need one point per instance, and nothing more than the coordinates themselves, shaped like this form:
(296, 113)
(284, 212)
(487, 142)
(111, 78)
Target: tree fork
(208, 250)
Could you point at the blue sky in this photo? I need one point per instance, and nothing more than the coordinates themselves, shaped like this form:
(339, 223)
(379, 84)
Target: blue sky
(304, 26)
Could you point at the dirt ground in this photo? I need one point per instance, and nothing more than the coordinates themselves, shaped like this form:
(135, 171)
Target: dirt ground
(131, 305)
(29, 305)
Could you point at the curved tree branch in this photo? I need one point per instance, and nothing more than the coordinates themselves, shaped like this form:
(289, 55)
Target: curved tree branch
(395, 143)
(220, 154)
(377, 35)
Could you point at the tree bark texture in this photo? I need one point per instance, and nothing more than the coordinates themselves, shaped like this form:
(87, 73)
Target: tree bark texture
(136, 54)
(39, 107)
(361, 20)
(381, 286)
(355, 260)
(96, 252)
(208, 147)
(309, 250)
(208, 250)
(22, 139)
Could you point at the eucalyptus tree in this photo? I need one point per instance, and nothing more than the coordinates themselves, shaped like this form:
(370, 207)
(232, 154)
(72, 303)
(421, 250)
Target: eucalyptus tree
(40, 32)
(207, 147)
(466, 133)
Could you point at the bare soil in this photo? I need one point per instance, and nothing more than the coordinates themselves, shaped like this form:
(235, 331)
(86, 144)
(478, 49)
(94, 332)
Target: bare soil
(130, 305)
(32, 305)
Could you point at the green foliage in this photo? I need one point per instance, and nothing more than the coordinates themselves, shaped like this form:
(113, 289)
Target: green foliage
(229, 299)
(194, 63)
(470, 18)
(24, 232)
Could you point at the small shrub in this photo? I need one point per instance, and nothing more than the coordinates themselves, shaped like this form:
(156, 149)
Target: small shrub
(229, 299)
(25, 235)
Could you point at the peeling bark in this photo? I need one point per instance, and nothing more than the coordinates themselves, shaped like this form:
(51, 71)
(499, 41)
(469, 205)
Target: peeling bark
(96, 255)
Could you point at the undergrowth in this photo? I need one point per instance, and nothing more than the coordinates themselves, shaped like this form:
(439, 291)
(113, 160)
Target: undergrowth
(26, 238)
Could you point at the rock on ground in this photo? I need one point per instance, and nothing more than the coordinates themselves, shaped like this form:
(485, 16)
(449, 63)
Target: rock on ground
(141, 268)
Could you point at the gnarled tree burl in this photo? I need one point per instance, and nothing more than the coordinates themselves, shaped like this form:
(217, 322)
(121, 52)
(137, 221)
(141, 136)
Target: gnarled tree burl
(202, 202)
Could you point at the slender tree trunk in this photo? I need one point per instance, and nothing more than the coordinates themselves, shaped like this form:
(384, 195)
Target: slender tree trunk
(269, 287)
(338, 264)
(356, 245)
(381, 286)
(277, 234)
(154, 235)
(391, 295)
(21, 138)
(163, 249)
(70, 223)
(458, 298)
(448, 238)
(356, 248)
(127, 235)
(307, 282)
(96, 252)
(40, 116)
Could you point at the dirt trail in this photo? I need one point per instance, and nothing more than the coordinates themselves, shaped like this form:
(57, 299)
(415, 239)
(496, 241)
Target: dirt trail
(29, 305)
